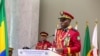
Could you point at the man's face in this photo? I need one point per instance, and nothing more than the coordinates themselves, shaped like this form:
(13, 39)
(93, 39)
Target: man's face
(65, 22)
(43, 38)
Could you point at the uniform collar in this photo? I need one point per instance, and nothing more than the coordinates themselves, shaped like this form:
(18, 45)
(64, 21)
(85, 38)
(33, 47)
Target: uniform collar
(43, 41)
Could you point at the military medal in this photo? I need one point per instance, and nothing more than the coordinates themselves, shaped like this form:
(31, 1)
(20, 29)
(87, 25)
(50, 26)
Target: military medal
(61, 35)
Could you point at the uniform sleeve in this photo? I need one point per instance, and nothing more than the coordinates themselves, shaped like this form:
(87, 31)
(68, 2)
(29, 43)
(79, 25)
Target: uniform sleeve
(76, 44)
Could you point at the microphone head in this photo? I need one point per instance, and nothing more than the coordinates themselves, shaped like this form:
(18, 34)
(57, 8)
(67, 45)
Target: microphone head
(53, 35)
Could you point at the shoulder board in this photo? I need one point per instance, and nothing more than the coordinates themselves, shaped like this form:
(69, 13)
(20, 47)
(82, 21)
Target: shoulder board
(74, 29)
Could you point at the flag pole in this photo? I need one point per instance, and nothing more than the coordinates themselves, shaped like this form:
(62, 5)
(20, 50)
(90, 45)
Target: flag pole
(96, 22)
(76, 23)
(87, 23)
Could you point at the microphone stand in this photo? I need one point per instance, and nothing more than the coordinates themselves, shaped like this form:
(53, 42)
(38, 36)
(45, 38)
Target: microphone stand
(52, 49)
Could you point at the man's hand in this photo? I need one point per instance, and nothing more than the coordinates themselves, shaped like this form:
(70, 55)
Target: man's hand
(59, 50)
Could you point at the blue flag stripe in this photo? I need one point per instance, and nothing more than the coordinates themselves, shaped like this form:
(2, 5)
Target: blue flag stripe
(3, 53)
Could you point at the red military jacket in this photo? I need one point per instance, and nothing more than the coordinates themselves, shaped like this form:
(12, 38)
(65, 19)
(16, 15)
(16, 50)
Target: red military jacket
(43, 45)
(69, 40)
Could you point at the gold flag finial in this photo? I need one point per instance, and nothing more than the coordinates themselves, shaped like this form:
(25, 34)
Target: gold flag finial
(57, 25)
(87, 22)
(76, 22)
(96, 21)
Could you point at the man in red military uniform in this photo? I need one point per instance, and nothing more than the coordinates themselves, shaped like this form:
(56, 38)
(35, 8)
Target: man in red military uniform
(43, 44)
(67, 39)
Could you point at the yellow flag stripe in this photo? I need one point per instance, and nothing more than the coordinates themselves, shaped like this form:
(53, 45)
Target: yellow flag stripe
(89, 53)
(2, 36)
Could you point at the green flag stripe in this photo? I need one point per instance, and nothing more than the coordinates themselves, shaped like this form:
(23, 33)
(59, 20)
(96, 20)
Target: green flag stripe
(3, 18)
(87, 44)
(2, 11)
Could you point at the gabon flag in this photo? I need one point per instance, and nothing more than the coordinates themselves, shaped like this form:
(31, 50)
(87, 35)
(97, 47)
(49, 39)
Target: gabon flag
(3, 30)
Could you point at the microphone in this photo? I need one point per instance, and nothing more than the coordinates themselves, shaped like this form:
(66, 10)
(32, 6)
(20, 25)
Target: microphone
(52, 35)
(52, 47)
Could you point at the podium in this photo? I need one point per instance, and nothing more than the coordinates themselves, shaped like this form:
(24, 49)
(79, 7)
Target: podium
(32, 52)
